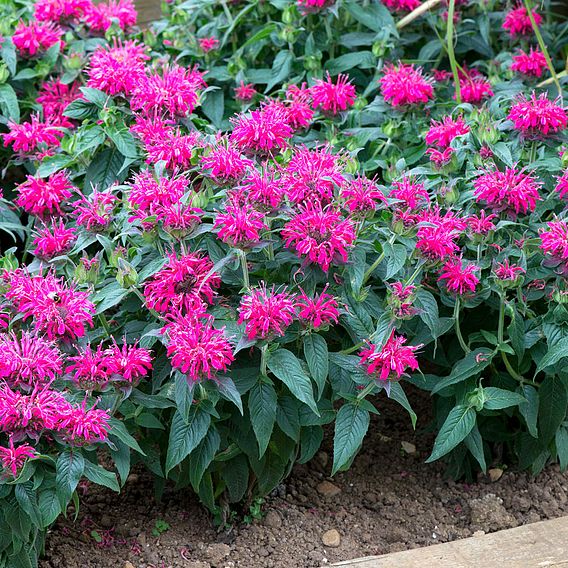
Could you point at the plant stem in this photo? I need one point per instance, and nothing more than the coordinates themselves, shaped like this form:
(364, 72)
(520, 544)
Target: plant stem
(459, 335)
(373, 266)
(243, 258)
(367, 390)
(263, 353)
(501, 338)
(450, 47)
(415, 273)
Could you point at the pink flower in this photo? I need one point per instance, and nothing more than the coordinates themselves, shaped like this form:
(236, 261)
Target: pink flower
(36, 37)
(440, 158)
(28, 361)
(319, 311)
(54, 97)
(240, 226)
(481, 225)
(266, 313)
(264, 189)
(331, 97)
(554, 240)
(389, 362)
(411, 193)
(537, 117)
(442, 133)
(518, 23)
(179, 220)
(532, 64)
(148, 194)
(196, 348)
(511, 191)
(506, 271)
(400, 300)
(361, 195)
(174, 92)
(185, 283)
(88, 369)
(298, 106)
(128, 363)
(312, 175)
(401, 5)
(312, 6)
(100, 16)
(82, 426)
(245, 93)
(562, 185)
(117, 69)
(474, 87)
(262, 131)
(61, 11)
(320, 235)
(13, 459)
(208, 44)
(95, 211)
(34, 139)
(437, 243)
(44, 197)
(459, 278)
(54, 240)
(226, 163)
(405, 85)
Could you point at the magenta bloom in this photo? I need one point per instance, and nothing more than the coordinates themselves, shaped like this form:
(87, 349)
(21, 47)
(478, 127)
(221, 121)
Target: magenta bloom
(531, 64)
(95, 211)
(389, 362)
(13, 459)
(240, 226)
(312, 6)
(266, 313)
(437, 243)
(44, 197)
(474, 89)
(320, 235)
(312, 175)
(362, 195)
(506, 271)
(245, 93)
(331, 97)
(88, 369)
(554, 240)
(117, 69)
(262, 131)
(35, 38)
(536, 117)
(128, 363)
(54, 97)
(319, 311)
(174, 92)
(442, 133)
(61, 11)
(82, 426)
(148, 194)
(196, 348)
(518, 23)
(440, 158)
(185, 283)
(54, 240)
(511, 191)
(28, 361)
(34, 139)
(562, 185)
(405, 85)
(482, 224)
(411, 193)
(264, 189)
(226, 163)
(179, 220)
(460, 278)
(100, 16)
(208, 44)
(401, 5)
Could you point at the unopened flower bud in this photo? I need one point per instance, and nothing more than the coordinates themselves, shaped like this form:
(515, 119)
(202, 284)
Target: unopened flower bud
(126, 275)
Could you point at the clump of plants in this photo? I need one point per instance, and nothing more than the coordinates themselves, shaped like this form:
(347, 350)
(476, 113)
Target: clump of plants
(248, 222)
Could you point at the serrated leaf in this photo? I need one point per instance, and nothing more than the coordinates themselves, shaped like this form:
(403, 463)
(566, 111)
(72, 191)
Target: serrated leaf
(317, 358)
(228, 390)
(395, 257)
(496, 399)
(235, 474)
(101, 476)
(554, 354)
(351, 426)
(202, 456)
(561, 441)
(69, 470)
(397, 393)
(553, 400)
(49, 507)
(262, 407)
(474, 444)
(529, 409)
(288, 417)
(458, 425)
(311, 438)
(9, 102)
(471, 365)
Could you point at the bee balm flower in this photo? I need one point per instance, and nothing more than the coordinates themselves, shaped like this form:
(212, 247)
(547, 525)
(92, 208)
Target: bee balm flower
(537, 117)
(405, 85)
(331, 97)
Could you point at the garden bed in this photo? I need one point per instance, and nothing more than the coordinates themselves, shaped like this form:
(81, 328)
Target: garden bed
(389, 501)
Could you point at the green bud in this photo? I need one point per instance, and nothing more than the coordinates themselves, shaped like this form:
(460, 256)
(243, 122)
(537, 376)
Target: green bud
(4, 73)
(360, 103)
(379, 49)
(289, 14)
(126, 274)
(312, 63)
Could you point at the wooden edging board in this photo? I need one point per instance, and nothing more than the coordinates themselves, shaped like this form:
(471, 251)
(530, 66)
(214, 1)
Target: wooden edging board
(538, 545)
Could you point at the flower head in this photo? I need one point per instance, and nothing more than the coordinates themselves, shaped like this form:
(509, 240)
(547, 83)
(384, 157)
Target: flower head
(438, 242)
(88, 368)
(331, 97)
(401, 5)
(208, 44)
(389, 362)
(518, 23)
(537, 117)
(54, 240)
(531, 64)
(36, 37)
(34, 138)
(460, 278)
(240, 226)
(507, 271)
(44, 197)
(266, 313)
(82, 426)
(100, 16)
(554, 240)
(320, 235)
(317, 311)
(562, 185)
(410, 192)
(362, 194)
(404, 85)
(442, 133)
(264, 189)
(13, 459)
(61, 11)
(474, 87)
(245, 93)
(54, 97)
(226, 163)
(127, 363)
(95, 211)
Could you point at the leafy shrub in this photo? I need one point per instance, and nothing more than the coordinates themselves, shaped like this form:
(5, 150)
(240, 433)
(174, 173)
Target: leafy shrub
(206, 273)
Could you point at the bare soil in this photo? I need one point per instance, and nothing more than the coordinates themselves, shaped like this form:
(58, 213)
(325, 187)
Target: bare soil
(389, 501)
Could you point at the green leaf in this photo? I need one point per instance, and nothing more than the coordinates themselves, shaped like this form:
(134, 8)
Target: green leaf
(317, 358)
(91, 136)
(109, 296)
(69, 470)
(53, 164)
(183, 394)
(458, 425)
(235, 474)
(27, 498)
(213, 106)
(529, 408)
(496, 399)
(374, 16)
(395, 256)
(561, 440)
(311, 438)
(101, 476)
(428, 307)
(118, 430)
(397, 393)
(470, 366)
(474, 444)
(552, 407)
(262, 408)
(228, 390)
(554, 354)
(49, 507)
(80, 110)
(288, 417)
(124, 141)
(99, 98)
(351, 426)
(202, 456)
(280, 69)
(186, 435)
(105, 169)
(286, 367)
(9, 102)
(8, 54)
(359, 59)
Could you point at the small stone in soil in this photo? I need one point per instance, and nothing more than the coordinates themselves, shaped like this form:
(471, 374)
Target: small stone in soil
(331, 538)
(128, 564)
(495, 474)
(273, 520)
(328, 489)
(408, 448)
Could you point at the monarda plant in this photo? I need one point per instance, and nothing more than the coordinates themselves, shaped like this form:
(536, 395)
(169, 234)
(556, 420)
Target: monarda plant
(219, 242)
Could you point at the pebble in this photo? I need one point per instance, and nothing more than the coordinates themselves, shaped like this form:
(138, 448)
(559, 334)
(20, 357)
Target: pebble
(495, 474)
(322, 458)
(273, 520)
(408, 448)
(479, 533)
(328, 489)
(331, 538)
(128, 564)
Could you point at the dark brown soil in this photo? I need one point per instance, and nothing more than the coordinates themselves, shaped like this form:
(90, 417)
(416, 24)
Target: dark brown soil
(389, 501)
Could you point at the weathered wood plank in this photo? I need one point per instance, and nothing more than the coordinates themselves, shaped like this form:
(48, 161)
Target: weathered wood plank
(148, 10)
(537, 545)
